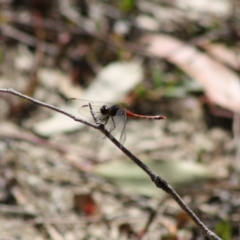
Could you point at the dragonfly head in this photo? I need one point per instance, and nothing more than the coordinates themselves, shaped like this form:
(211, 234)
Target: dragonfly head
(104, 110)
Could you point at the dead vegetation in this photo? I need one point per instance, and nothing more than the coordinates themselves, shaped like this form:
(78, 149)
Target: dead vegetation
(59, 180)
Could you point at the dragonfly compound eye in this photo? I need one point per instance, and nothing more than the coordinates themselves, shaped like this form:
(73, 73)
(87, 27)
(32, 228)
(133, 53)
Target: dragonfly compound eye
(104, 110)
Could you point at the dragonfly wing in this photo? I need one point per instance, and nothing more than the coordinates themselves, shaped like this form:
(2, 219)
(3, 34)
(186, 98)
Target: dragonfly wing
(122, 138)
(84, 109)
(120, 125)
(83, 105)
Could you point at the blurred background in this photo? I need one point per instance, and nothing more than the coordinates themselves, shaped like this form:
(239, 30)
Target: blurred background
(60, 179)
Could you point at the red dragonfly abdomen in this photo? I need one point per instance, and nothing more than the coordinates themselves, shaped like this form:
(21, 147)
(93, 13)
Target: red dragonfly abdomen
(134, 115)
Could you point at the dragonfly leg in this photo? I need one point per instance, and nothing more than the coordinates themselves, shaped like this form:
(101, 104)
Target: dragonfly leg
(104, 121)
(113, 125)
(94, 115)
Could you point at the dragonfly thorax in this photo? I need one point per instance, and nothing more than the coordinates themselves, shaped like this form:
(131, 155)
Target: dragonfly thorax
(111, 111)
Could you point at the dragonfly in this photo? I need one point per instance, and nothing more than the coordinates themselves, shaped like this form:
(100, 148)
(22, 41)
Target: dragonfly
(112, 116)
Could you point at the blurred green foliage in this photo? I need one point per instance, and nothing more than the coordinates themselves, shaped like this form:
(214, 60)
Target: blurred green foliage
(127, 5)
(172, 86)
(224, 230)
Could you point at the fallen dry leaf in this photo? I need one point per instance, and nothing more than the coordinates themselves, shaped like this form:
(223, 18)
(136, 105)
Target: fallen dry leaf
(221, 84)
(230, 57)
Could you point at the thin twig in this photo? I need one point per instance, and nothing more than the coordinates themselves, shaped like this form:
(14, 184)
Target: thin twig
(159, 181)
(12, 91)
(12, 209)
(33, 139)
